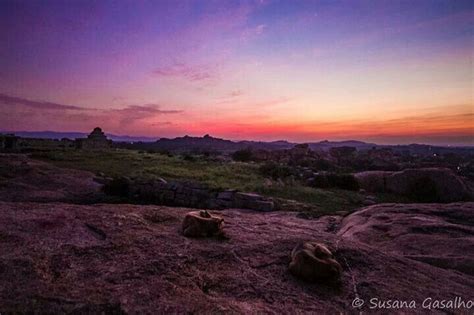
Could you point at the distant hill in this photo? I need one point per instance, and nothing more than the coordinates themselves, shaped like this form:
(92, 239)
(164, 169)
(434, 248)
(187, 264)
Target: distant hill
(209, 143)
(326, 145)
(206, 143)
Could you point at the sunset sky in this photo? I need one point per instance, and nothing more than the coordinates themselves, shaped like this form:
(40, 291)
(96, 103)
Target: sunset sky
(381, 71)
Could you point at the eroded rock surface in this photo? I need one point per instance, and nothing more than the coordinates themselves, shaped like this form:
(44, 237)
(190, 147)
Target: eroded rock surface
(57, 257)
(438, 234)
(25, 179)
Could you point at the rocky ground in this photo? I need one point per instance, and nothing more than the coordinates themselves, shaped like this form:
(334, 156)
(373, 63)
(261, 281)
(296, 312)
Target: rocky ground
(58, 257)
(25, 179)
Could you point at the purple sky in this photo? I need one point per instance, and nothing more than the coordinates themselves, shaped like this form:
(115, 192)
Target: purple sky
(384, 71)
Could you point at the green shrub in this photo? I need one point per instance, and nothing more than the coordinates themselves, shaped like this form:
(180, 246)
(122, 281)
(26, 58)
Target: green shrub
(188, 157)
(118, 187)
(243, 155)
(332, 180)
(275, 171)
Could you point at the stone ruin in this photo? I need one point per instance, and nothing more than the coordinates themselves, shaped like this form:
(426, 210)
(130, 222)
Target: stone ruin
(96, 140)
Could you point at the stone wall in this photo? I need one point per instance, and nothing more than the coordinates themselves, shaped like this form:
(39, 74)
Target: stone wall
(184, 194)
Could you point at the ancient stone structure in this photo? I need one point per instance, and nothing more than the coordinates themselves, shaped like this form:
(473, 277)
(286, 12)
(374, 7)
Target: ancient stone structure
(96, 140)
(202, 224)
(314, 262)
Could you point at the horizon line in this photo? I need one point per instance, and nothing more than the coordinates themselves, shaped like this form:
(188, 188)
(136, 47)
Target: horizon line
(156, 138)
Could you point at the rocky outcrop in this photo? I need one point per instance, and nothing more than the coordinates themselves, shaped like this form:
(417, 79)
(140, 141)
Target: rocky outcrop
(113, 259)
(426, 184)
(24, 179)
(314, 262)
(186, 194)
(333, 180)
(436, 234)
(252, 201)
(202, 224)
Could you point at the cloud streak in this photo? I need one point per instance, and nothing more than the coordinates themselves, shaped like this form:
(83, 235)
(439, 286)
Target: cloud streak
(193, 73)
(12, 100)
(133, 113)
(16, 112)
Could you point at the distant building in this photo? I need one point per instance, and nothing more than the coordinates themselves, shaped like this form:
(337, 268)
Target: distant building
(8, 143)
(96, 140)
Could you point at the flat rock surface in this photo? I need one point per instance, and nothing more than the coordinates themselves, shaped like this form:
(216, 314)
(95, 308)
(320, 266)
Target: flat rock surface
(25, 179)
(438, 234)
(57, 257)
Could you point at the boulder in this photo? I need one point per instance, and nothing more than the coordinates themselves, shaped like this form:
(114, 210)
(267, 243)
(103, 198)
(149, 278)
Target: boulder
(26, 179)
(436, 234)
(314, 262)
(202, 224)
(425, 184)
(373, 181)
(429, 184)
(253, 202)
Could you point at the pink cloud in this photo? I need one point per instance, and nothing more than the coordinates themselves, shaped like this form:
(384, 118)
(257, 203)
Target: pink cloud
(194, 73)
(22, 114)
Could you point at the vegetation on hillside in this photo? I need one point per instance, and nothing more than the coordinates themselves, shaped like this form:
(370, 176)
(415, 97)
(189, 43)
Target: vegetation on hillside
(216, 172)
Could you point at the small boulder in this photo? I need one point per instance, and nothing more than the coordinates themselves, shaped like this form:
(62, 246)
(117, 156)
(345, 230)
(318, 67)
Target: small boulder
(202, 224)
(314, 262)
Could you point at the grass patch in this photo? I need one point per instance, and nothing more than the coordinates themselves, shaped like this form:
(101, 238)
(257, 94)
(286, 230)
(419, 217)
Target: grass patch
(215, 173)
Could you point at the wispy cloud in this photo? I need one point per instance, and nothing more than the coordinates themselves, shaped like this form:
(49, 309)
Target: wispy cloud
(16, 112)
(132, 113)
(253, 32)
(235, 93)
(194, 73)
(12, 100)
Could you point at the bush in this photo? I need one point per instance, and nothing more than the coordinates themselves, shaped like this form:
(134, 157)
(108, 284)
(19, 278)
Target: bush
(320, 181)
(343, 181)
(188, 157)
(275, 171)
(118, 187)
(243, 155)
(331, 180)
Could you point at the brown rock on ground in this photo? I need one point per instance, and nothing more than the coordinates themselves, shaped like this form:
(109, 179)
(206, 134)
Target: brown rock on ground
(314, 262)
(201, 224)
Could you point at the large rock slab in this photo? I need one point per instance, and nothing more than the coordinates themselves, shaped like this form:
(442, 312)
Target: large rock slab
(25, 179)
(438, 234)
(61, 258)
(425, 184)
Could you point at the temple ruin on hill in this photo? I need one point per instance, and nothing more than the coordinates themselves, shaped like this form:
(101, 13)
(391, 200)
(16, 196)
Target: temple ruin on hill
(96, 140)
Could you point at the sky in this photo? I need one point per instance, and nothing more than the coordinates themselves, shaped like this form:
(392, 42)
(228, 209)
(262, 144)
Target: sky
(390, 72)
